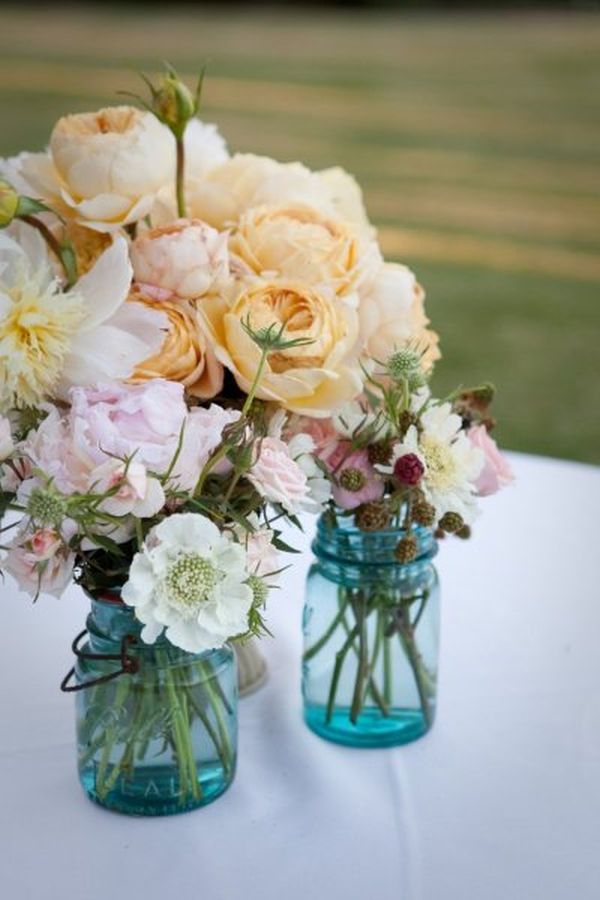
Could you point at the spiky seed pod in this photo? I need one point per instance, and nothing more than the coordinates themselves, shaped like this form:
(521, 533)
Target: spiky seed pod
(380, 453)
(352, 479)
(451, 522)
(464, 532)
(406, 549)
(423, 513)
(372, 517)
(403, 363)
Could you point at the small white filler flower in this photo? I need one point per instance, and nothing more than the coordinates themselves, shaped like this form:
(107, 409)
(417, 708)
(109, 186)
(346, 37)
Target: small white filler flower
(191, 579)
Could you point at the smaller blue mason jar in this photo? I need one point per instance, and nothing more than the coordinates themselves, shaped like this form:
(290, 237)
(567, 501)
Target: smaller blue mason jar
(156, 726)
(371, 635)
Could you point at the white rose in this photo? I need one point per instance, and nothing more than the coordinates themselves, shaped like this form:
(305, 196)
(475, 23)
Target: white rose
(392, 315)
(247, 180)
(205, 148)
(104, 168)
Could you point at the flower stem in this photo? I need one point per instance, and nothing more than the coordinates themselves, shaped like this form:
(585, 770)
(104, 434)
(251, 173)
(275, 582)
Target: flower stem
(179, 177)
(363, 660)
(64, 252)
(406, 636)
(312, 651)
(337, 671)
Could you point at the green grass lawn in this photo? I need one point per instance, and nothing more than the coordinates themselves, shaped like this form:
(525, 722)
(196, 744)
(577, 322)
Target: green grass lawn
(476, 138)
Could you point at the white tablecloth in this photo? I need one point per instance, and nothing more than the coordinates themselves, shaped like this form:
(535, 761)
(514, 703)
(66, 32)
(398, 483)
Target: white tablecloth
(500, 802)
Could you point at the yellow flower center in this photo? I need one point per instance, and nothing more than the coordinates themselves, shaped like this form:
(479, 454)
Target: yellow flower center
(441, 467)
(35, 337)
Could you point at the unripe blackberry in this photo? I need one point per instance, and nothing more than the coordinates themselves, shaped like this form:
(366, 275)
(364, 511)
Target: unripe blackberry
(406, 549)
(372, 517)
(464, 532)
(380, 453)
(423, 513)
(451, 522)
(351, 479)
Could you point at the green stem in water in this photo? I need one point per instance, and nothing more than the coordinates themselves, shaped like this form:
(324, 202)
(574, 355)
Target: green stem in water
(372, 686)
(188, 775)
(362, 670)
(337, 671)
(180, 177)
(418, 669)
(312, 651)
(387, 669)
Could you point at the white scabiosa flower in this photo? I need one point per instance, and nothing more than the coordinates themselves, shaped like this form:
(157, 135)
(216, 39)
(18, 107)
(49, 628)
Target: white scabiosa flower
(190, 579)
(452, 464)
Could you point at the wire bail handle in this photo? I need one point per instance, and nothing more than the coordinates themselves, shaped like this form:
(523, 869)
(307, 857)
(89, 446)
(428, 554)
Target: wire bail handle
(129, 664)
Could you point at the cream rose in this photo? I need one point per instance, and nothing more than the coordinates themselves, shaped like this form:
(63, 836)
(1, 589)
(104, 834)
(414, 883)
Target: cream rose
(300, 242)
(246, 180)
(313, 378)
(104, 168)
(183, 259)
(392, 315)
(185, 355)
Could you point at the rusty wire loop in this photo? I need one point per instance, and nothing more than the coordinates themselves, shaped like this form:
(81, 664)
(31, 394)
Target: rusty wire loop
(129, 664)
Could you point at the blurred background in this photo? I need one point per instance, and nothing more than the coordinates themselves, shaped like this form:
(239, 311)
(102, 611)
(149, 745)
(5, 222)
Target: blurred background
(475, 133)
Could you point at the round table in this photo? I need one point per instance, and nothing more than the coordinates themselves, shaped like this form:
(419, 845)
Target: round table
(501, 801)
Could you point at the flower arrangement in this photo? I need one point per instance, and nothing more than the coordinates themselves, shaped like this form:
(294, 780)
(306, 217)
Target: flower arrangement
(188, 358)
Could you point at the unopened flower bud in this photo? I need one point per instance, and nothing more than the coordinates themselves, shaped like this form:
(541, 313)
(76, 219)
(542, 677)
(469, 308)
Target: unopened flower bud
(352, 479)
(409, 469)
(174, 103)
(9, 203)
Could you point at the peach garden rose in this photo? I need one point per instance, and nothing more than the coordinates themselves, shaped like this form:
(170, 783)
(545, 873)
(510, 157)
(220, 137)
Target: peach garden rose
(313, 378)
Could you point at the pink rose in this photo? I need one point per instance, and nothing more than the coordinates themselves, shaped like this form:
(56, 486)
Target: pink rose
(182, 259)
(322, 432)
(42, 564)
(356, 481)
(135, 492)
(496, 473)
(277, 477)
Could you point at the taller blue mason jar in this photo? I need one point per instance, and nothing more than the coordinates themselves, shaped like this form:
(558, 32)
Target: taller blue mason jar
(156, 726)
(371, 635)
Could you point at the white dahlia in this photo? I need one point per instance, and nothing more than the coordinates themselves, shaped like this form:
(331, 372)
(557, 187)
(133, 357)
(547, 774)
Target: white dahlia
(51, 339)
(191, 579)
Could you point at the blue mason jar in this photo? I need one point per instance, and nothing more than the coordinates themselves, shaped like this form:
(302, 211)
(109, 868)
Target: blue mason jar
(156, 726)
(371, 634)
